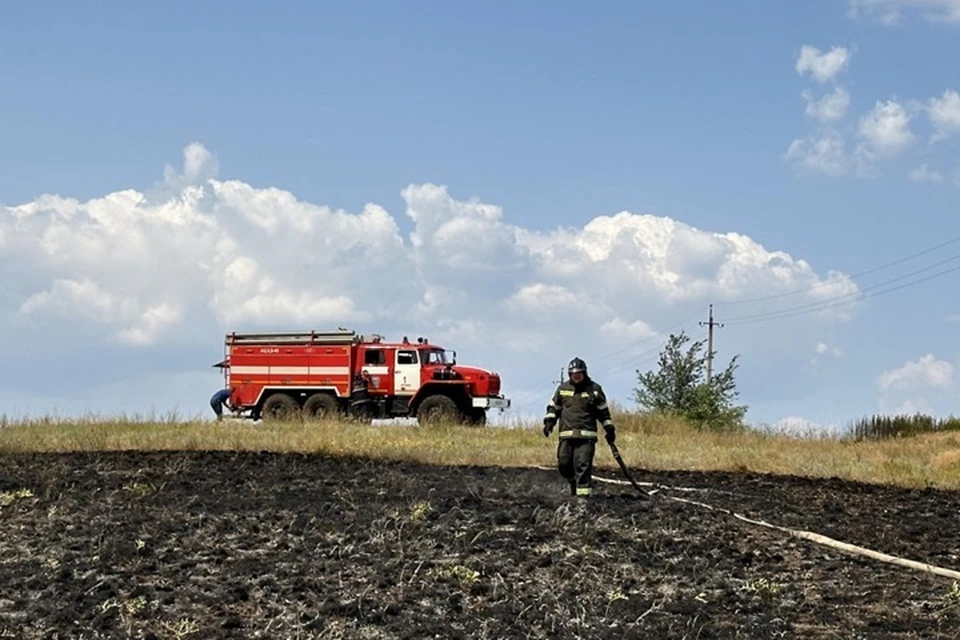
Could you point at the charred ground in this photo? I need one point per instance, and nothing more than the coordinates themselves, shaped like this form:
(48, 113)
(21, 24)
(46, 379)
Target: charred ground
(244, 545)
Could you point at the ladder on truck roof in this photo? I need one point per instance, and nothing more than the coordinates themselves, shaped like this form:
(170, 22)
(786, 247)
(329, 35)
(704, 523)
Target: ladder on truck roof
(293, 337)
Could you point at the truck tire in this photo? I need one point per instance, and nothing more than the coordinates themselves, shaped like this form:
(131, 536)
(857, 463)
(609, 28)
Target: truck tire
(320, 406)
(438, 408)
(477, 418)
(280, 407)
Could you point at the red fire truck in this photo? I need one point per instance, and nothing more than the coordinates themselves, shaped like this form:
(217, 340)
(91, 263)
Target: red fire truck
(318, 374)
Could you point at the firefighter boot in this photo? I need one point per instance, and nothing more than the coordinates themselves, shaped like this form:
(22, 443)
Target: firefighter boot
(581, 504)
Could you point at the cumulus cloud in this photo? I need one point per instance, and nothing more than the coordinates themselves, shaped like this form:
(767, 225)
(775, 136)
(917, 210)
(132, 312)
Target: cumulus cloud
(885, 130)
(164, 272)
(924, 173)
(619, 329)
(133, 322)
(825, 153)
(926, 371)
(944, 113)
(824, 150)
(828, 108)
(800, 427)
(199, 165)
(823, 350)
(881, 134)
(890, 12)
(823, 66)
(924, 385)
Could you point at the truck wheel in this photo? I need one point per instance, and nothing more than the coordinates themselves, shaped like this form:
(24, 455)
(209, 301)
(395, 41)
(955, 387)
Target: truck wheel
(437, 409)
(280, 407)
(477, 418)
(320, 406)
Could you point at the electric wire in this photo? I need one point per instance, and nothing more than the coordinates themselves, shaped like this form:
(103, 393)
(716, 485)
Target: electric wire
(851, 297)
(840, 304)
(636, 360)
(616, 367)
(851, 277)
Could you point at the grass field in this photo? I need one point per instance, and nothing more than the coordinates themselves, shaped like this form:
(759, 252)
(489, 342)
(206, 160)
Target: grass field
(646, 442)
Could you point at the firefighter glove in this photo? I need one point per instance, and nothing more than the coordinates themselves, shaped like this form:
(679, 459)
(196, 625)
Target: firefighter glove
(547, 427)
(611, 435)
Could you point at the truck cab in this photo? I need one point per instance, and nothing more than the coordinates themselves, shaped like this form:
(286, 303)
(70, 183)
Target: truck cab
(425, 380)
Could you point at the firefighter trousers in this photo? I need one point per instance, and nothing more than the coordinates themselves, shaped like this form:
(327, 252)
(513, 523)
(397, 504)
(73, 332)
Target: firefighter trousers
(575, 462)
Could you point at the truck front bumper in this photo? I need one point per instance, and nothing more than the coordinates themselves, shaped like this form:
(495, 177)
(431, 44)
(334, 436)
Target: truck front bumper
(491, 403)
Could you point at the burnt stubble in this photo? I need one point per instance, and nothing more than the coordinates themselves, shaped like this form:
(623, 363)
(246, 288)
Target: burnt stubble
(258, 545)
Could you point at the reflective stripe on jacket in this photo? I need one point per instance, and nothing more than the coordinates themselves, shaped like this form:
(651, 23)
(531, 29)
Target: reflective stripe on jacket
(578, 408)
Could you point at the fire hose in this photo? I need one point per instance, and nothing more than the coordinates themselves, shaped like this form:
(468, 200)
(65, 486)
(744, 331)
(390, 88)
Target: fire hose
(623, 468)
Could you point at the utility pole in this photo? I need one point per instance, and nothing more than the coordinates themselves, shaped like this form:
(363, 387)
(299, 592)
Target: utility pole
(710, 325)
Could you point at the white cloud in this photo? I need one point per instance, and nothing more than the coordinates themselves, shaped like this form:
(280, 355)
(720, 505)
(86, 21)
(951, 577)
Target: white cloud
(132, 321)
(799, 427)
(944, 113)
(822, 66)
(829, 108)
(619, 329)
(890, 12)
(199, 165)
(926, 371)
(924, 385)
(176, 266)
(543, 298)
(885, 130)
(823, 349)
(826, 153)
(923, 173)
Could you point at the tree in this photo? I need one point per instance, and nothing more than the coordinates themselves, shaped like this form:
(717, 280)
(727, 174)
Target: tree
(680, 387)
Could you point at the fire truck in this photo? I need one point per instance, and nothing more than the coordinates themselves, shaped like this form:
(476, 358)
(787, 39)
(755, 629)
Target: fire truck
(323, 374)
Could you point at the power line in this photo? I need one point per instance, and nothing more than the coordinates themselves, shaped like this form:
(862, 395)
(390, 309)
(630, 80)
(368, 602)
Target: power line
(837, 301)
(854, 296)
(616, 367)
(634, 360)
(840, 304)
(830, 303)
(620, 350)
(852, 276)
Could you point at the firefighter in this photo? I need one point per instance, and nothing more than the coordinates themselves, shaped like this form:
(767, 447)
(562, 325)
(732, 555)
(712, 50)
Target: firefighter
(578, 405)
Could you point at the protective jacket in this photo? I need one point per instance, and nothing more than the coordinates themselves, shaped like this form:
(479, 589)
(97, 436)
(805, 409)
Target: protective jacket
(578, 408)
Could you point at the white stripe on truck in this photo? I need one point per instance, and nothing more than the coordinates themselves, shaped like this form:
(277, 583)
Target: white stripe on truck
(289, 371)
(377, 371)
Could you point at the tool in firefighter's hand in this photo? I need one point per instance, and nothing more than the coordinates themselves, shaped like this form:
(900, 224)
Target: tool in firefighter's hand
(623, 468)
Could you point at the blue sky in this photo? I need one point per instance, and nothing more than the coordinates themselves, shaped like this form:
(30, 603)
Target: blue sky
(559, 113)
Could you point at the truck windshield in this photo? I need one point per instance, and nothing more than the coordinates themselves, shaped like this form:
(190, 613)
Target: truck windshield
(435, 356)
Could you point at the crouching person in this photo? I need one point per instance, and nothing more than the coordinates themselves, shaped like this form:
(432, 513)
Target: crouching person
(219, 400)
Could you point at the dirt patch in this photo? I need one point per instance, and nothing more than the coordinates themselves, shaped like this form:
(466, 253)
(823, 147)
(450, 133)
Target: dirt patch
(247, 545)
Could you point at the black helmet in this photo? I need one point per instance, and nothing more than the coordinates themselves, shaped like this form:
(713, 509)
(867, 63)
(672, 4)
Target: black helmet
(577, 365)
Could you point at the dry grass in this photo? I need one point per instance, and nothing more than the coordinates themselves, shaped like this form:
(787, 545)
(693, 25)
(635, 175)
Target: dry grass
(645, 442)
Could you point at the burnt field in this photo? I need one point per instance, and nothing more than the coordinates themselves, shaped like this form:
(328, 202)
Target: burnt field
(257, 545)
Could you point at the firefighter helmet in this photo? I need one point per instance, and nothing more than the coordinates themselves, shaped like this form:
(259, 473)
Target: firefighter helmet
(577, 365)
